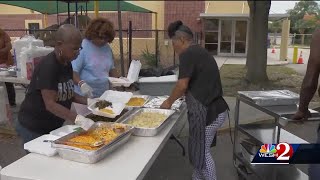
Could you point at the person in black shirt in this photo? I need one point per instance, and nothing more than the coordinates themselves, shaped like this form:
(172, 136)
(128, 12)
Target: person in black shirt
(50, 93)
(199, 80)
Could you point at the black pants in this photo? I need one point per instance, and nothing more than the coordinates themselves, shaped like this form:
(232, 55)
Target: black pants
(11, 93)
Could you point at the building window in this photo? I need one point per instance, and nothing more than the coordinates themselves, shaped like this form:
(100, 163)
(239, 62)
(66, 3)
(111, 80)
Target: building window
(33, 25)
(211, 34)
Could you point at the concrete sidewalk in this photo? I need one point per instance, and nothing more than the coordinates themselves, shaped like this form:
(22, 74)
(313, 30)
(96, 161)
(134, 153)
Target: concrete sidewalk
(273, 58)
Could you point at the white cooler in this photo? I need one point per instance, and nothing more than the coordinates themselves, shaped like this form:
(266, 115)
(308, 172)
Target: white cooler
(157, 86)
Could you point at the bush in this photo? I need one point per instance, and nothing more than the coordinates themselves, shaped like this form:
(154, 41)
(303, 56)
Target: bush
(149, 58)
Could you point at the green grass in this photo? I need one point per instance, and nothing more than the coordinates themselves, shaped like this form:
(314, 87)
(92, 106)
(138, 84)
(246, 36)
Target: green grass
(280, 77)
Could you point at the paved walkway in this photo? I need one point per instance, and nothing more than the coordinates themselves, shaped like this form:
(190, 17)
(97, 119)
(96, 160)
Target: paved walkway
(273, 59)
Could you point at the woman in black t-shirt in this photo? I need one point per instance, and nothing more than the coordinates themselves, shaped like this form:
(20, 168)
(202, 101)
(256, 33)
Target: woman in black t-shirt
(199, 80)
(50, 93)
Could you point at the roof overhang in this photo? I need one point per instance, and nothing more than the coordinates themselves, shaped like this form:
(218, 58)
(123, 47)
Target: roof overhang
(272, 17)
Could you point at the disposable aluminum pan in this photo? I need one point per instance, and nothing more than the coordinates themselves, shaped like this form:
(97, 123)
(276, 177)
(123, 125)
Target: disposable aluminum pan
(145, 97)
(90, 156)
(271, 98)
(141, 131)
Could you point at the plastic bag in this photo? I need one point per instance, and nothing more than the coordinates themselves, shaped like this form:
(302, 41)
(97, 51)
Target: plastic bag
(30, 57)
(19, 44)
(157, 72)
(5, 110)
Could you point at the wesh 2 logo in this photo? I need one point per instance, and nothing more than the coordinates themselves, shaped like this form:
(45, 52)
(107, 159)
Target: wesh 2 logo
(281, 151)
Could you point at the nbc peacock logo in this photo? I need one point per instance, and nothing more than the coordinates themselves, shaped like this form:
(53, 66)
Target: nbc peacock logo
(268, 150)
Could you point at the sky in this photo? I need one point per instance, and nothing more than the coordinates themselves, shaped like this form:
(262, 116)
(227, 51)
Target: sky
(281, 6)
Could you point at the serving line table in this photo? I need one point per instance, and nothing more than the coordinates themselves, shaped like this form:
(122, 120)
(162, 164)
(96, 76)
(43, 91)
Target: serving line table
(129, 162)
(16, 80)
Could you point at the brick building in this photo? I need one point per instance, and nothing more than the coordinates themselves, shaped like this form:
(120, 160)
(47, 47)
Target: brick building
(223, 25)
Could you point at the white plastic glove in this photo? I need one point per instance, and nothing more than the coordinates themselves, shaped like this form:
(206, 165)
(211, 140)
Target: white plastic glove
(83, 122)
(86, 90)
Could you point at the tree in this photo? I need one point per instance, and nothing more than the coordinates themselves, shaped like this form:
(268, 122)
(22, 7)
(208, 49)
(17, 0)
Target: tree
(300, 10)
(302, 25)
(257, 44)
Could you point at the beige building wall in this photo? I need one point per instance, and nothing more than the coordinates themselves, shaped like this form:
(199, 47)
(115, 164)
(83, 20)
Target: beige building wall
(227, 7)
(7, 9)
(155, 6)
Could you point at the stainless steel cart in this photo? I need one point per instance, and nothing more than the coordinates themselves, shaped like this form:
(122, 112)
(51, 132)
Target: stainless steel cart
(264, 133)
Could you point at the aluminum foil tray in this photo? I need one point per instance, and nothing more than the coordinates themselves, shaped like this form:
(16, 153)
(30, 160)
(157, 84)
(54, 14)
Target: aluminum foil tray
(145, 97)
(157, 101)
(90, 156)
(271, 98)
(141, 131)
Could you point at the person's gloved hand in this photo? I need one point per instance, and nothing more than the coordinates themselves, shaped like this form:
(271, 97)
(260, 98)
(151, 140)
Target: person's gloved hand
(85, 89)
(83, 122)
(91, 101)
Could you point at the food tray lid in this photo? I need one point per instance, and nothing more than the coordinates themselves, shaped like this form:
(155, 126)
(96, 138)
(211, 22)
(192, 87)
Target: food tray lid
(134, 70)
(275, 95)
(116, 96)
(157, 101)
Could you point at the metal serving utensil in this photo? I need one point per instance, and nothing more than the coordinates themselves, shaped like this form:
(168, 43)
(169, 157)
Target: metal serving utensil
(95, 144)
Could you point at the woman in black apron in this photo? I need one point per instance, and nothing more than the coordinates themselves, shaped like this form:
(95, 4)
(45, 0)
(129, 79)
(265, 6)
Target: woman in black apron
(199, 80)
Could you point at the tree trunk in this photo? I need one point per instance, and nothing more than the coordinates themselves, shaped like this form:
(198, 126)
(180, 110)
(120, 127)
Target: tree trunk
(257, 45)
(302, 39)
(301, 31)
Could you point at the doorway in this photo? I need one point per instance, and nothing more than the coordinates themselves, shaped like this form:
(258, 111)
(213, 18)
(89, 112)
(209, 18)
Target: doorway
(233, 37)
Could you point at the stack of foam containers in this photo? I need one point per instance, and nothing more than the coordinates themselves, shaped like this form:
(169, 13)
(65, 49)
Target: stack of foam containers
(19, 44)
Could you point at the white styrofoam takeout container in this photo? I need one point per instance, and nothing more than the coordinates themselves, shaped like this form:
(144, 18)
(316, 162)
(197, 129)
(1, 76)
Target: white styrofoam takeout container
(132, 76)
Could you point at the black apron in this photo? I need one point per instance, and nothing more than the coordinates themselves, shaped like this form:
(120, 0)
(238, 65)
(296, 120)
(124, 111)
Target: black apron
(199, 116)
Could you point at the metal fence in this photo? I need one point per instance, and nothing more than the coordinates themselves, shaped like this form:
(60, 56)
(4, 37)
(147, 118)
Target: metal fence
(152, 47)
(301, 39)
(293, 39)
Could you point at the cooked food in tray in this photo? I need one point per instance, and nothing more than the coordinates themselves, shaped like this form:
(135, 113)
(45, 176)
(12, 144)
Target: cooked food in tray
(136, 101)
(103, 104)
(97, 118)
(148, 120)
(106, 134)
(108, 111)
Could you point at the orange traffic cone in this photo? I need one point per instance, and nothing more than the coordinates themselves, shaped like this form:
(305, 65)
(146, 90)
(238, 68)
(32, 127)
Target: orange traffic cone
(273, 50)
(300, 60)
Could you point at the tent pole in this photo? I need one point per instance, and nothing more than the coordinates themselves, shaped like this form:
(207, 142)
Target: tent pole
(45, 20)
(57, 12)
(120, 37)
(130, 43)
(96, 8)
(86, 8)
(69, 13)
(76, 16)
